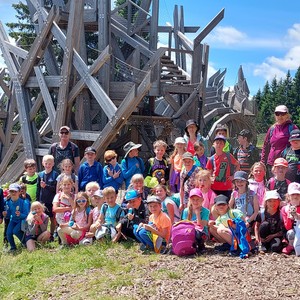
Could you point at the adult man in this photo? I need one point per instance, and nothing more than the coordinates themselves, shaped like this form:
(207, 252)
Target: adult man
(65, 149)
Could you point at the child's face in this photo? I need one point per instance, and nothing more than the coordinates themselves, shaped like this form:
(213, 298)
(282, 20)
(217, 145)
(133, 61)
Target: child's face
(91, 190)
(81, 202)
(241, 140)
(280, 171)
(97, 201)
(258, 173)
(67, 168)
(295, 145)
(159, 151)
(135, 203)
(180, 146)
(273, 204)
(48, 165)
(38, 209)
(160, 193)
(14, 195)
(196, 201)
(188, 163)
(90, 156)
(154, 208)
(222, 208)
(219, 144)
(31, 170)
(200, 151)
(240, 184)
(133, 153)
(222, 132)
(204, 182)
(138, 185)
(110, 199)
(67, 186)
(295, 199)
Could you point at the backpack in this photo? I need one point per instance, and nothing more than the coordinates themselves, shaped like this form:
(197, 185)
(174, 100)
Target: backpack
(272, 183)
(184, 238)
(231, 166)
(118, 213)
(54, 146)
(30, 182)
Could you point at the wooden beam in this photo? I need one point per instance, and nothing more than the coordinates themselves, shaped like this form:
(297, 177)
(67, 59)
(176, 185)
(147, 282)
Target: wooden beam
(17, 51)
(51, 82)
(172, 102)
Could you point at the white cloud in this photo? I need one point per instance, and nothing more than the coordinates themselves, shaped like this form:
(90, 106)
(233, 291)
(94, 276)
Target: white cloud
(268, 71)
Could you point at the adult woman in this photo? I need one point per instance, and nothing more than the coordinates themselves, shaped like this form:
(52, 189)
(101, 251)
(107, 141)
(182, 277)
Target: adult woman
(277, 137)
(192, 136)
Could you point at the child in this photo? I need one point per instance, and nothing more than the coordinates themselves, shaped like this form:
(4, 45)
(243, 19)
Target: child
(279, 182)
(111, 212)
(131, 164)
(79, 222)
(187, 178)
(156, 168)
(90, 170)
(66, 167)
(222, 166)
(63, 203)
(176, 164)
(37, 222)
(203, 182)
(30, 178)
(200, 215)
(291, 216)
(269, 226)
(112, 172)
(46, 189)
(137, 212)
(219, 228)
(17, 210)
(23, 192)
(244, 199)
(246, 154)
(199, 157)
(222, 130)
(158, 230)
(98, 201)
(168, 205)
(292, 155)
(257, 179)
(90, 190)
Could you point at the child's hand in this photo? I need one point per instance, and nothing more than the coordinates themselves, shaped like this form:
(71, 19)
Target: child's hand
(130, 216)
(43, 184)
(18, 213)
(181, 207)
(110, 172)
(116, 174)
(147, 227)
(4, 213)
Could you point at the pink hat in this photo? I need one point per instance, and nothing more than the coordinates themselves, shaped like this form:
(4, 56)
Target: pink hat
(294, 188)
(282, 108)
(280, 161)
(195, 192)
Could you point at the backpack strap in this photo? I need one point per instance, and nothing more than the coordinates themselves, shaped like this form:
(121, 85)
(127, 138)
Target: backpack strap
(272, 183)
(213, 162)
(188, 175)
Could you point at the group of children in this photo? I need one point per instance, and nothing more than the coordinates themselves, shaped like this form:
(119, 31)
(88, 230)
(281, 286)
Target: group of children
(209, 192)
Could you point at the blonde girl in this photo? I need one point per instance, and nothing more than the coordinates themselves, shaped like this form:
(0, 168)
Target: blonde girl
(37, 223)
(66, 167)
(257, 181)
(176, 164)
(63, 204)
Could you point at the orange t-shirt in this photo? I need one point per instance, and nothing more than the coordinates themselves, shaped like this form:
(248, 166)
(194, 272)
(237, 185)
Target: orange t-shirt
(162, 222)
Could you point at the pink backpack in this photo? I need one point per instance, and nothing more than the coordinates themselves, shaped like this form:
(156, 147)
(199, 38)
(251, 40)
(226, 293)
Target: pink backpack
(184, 238)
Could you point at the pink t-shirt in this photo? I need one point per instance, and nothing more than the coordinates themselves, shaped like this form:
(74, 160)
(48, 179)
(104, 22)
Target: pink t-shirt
(209, 198)
(95, 213)
(81, 218)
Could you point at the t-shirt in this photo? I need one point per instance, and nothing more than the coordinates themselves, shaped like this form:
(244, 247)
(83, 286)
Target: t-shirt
(31, 185)
(259, 189)
(165, 203)
(209, 198)
(293, 159)
(244, 202)
(157, 168)
(275, 221)
(60, 217)
(231, 214)
(221, 171)
(162, 222)
(280, 186)
(95, 213)
(204, 215)
(188, 184)
(110, 216)
(177, 162)
(81, 218)
(246, 157)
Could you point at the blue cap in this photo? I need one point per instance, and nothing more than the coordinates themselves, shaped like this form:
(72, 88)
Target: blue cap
(131, 195)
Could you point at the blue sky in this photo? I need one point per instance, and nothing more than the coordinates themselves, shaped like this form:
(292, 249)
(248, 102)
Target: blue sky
(262, 36)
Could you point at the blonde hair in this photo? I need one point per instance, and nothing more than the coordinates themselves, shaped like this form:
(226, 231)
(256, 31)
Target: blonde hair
(65, 161)
(33, 206)
(201, 174)
(160, 143)
(258, 164)
(65, 179)
(136, 178)
(108, 191)
(48, 157)
(87, 203)
(92, 184)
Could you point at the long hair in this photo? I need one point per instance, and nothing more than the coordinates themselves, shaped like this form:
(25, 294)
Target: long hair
(78, 196)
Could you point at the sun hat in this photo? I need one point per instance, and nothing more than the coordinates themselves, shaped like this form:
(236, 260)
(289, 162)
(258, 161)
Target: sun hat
(90, 150)
(14, 187)
(98, 193)
(294, 188)
(180, 140)
(191, 122)
(130, 146)
(280, 161)
(282, 108)
(220, 137)
(131, 195)
(295, 135)
(153, 199)
(195, 192)
(273, 194)
(187, 155)
(221, 199)
(240, 175)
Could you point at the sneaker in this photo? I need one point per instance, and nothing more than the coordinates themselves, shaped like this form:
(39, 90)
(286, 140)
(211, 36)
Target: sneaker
(224, 247)
(288, 249)
(143, 247)
(51, 239)
(262, 248)
(86, 241)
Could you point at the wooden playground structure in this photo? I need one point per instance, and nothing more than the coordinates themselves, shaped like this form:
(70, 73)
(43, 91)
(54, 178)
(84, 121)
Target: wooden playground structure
(121, 87)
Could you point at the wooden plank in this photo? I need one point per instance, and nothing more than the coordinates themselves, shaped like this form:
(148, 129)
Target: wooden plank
(187, 29)
(172, 102)
(153, 26)
(51, 82)
(185, 107)
(46, 95)
(17, 51)
(36, 106)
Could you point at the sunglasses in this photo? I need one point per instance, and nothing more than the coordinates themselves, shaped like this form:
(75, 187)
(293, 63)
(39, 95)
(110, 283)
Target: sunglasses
(81, 200)
(108, 160)
(64, 132)
(280, 114)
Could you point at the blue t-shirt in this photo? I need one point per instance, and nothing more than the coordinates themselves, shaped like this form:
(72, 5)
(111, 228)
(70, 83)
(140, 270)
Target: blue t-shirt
(204, 215)
(110, 216)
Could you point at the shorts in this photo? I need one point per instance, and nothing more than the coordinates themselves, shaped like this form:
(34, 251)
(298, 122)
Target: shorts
(48, 209)
(30, 237)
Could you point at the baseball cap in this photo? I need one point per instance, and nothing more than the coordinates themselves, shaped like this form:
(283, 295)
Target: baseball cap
(281, 108)
(220, 137)
(295, 135)
(273, 194)
(90, 150)
(245, 133)
(294, 188)
(195, 192)
(187, 155)
(98, 193)
(153, 199)
(221, 199)
(240, 175)
(131, 195)
(14, 187)
(180, 140)
(280, 161)
(65, 128)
